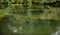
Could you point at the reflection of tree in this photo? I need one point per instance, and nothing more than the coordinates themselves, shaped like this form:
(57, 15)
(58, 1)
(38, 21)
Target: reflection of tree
(18, 23)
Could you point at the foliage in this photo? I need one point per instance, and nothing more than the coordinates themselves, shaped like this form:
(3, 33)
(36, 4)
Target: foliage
(28, 18)
(2, 16)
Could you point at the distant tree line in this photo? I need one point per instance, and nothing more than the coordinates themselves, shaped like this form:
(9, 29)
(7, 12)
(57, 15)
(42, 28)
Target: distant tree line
(6, 2)
(25, 2)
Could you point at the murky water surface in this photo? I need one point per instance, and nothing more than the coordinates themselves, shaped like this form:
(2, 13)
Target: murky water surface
(24, 20)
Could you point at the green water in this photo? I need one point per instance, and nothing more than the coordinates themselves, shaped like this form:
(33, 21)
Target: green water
(26, 20)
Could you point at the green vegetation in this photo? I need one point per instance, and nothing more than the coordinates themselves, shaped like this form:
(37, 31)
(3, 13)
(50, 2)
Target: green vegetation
(22, 17)
(2, 16)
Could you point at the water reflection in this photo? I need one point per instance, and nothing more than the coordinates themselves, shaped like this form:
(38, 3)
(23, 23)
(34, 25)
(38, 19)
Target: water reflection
(57, 32)
(21, 24)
